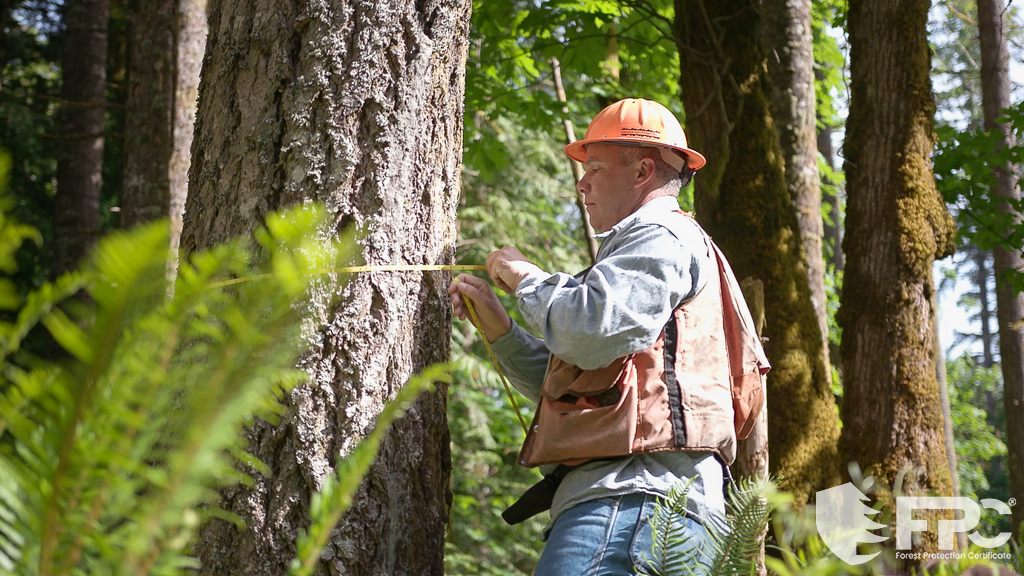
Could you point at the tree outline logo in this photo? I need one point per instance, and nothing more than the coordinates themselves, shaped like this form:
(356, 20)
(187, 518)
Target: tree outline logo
(844, 521)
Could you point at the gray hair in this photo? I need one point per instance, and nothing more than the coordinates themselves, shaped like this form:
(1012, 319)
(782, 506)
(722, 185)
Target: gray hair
(664, 173)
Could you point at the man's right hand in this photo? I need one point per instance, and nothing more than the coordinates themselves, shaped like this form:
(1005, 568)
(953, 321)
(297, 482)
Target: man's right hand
(494, 321)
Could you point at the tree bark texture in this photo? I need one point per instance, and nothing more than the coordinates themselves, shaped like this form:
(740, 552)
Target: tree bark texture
(896, 226)
(787, 44)
(985, 309)
(190, 39)
(743, 201)
(995, 95)
(165, 56)
(149, 109)
(358, 104)
(76, 223)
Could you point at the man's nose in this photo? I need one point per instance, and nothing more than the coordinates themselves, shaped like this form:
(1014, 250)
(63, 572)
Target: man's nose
(583, 186)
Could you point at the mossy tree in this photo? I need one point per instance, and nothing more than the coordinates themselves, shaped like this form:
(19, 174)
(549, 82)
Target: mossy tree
(788, 38)
(897, 225)
(358, 105)
(743, 201)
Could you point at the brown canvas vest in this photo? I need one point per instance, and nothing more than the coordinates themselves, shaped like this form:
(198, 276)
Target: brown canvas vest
(679, 394)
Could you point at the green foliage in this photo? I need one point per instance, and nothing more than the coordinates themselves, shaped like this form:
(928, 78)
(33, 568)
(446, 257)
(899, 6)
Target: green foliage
(733, 548)
(979, 419)
(607, 50)
(735, 552)
(486, 478)
(964, 175)
(30, 80)
(798, 550)
(671, 550)
(829, 60)
(112, 454)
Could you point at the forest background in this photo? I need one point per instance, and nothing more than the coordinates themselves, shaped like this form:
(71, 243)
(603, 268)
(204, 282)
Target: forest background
(775, 77)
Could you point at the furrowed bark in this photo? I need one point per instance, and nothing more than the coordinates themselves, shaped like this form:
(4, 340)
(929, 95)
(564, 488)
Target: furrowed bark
(359, 105)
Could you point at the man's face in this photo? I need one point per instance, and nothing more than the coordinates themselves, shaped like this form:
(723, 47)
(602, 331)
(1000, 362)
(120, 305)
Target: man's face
(609, 186)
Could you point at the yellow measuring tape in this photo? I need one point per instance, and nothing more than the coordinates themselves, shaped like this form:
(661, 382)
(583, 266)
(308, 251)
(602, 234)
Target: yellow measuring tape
(369, 268)
(413, 268)
(469, 306)
(494, 361)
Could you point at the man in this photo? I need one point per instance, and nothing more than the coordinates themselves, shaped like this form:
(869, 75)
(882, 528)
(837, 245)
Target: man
(628, 377)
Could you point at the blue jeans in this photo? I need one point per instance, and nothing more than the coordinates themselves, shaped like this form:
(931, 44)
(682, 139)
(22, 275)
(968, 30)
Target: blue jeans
(609, 537)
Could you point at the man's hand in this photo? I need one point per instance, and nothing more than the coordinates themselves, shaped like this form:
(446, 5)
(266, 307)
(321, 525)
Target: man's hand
(494, 321)
(507, 267)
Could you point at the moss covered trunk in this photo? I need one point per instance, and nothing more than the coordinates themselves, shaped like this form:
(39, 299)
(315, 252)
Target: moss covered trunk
(896, 226)
(787, 39)
(743, 201)
(995, 97)
(359, 105)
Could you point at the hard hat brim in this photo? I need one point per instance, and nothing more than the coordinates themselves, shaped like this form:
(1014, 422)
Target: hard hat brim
(578, 151)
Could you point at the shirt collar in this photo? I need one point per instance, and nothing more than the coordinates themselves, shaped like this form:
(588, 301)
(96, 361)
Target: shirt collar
(659, 204)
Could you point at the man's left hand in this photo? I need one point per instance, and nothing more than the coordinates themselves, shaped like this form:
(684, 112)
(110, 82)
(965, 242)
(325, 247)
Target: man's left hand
(507, 267)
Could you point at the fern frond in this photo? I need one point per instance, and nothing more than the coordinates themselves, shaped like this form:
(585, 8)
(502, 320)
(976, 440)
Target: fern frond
(731, 549)
(108, 456)
(748, 509)
(672, 553)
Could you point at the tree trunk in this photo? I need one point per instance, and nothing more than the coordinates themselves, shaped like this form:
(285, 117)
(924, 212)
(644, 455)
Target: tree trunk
(981, 276)
(358, 105)
(787, 44)
(167, 42)
(76, 222)
(833, 230)
(149, 109)
(896, 226)
(191, 45)
(995, 92)
(947, 415)
(747, 208)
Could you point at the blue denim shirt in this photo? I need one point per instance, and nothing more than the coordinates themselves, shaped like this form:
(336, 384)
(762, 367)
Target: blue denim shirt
(649, 263)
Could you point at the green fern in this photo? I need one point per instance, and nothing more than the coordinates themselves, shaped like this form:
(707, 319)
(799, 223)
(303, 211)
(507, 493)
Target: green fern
(735, 552)
(730, 550)
(111, 457)
(671, 550)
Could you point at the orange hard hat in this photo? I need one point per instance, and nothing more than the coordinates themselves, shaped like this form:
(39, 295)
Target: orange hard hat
(638, 121)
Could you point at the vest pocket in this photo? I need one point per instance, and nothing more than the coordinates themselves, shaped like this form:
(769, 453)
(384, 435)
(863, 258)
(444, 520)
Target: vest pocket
(572, 429)
(564, 378)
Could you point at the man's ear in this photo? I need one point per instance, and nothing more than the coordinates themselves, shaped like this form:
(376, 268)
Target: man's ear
(645, 170)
